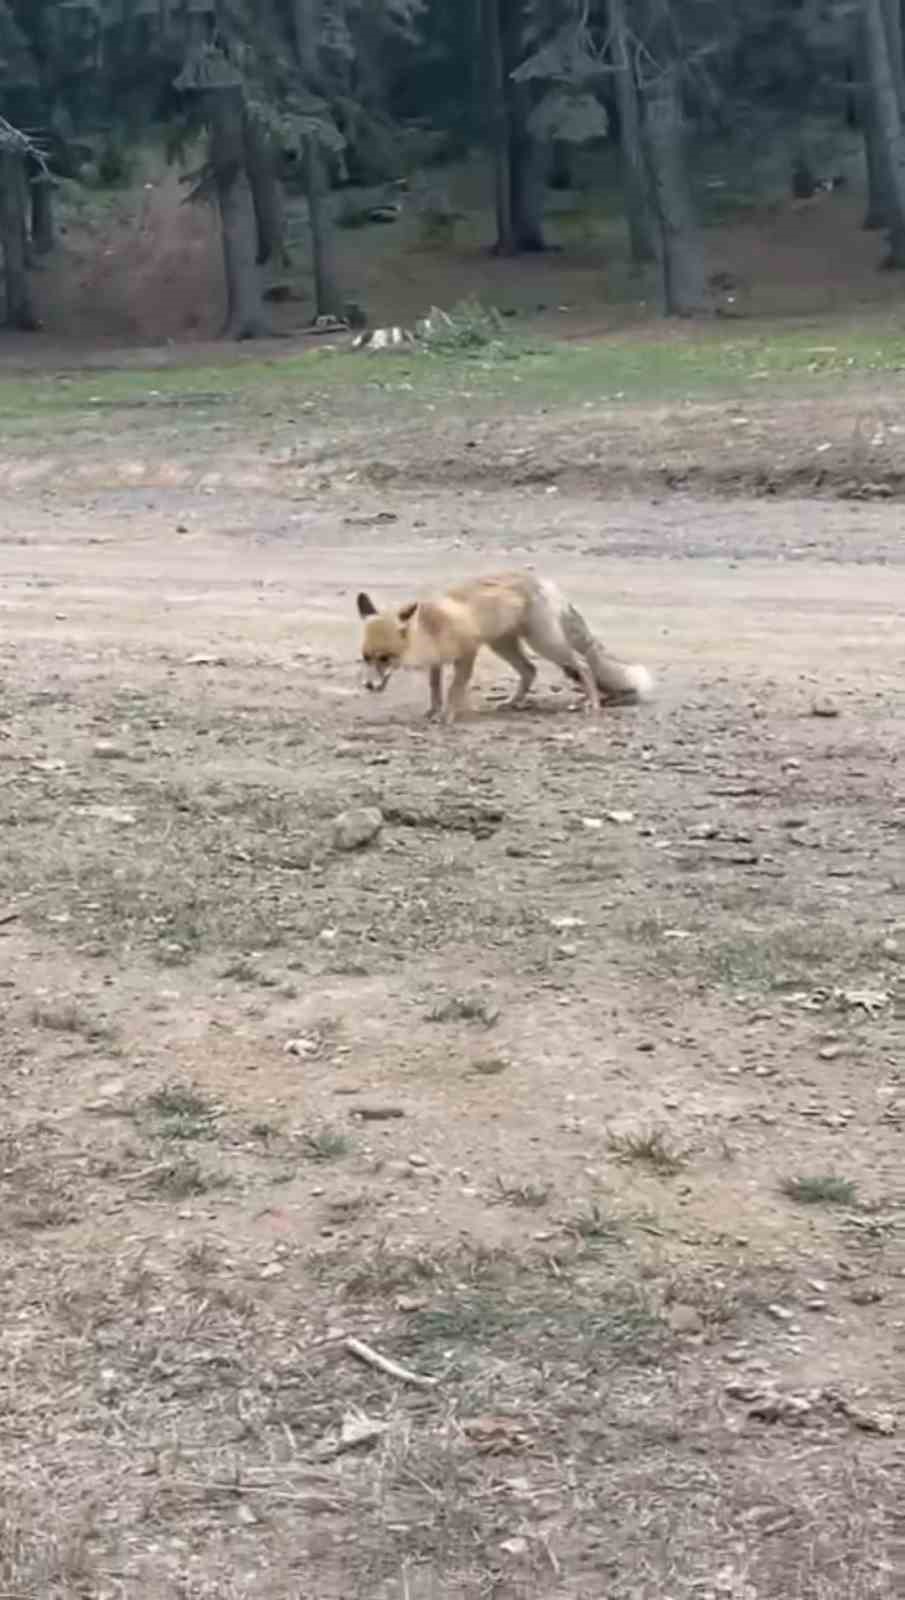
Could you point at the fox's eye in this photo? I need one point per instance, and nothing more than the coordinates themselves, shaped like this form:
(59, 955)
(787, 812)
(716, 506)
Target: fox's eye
(383, 661)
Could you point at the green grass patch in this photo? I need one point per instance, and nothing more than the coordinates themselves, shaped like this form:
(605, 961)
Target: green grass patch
(326, 383)
(180, 1111)
(326, 1144)
(820, 1189)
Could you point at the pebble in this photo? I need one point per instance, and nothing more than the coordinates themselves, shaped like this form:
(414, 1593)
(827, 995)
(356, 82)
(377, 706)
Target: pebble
(866, 1294)
(823, 706)
(111, 1088)
(685, 1319)
(490, 1066)
(352, 830)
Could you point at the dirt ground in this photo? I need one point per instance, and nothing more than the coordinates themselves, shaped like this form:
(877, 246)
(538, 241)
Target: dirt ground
(579, 1092)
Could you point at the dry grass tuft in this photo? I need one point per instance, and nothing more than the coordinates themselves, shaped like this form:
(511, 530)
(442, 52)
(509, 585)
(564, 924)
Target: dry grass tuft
(651, 1149)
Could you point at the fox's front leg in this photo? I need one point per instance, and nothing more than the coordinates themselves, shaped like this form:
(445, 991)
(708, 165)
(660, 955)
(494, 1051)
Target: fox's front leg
(435, 677)
(458, 689)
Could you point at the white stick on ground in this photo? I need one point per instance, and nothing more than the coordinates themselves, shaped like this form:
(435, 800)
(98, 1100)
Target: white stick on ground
(373, 1358)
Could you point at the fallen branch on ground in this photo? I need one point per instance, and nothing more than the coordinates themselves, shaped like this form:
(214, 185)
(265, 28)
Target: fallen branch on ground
(373, 1358)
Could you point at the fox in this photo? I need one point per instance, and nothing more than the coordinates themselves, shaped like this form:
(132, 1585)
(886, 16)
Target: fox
(505, 612)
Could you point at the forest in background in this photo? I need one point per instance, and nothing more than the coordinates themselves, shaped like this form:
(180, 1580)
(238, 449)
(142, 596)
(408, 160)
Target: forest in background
(353, 114)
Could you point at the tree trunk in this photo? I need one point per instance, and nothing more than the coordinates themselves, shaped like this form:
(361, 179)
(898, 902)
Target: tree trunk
(527, 164)
(885, 92)
(328, 296)
(803, 180)
(43, 229)
(267, 194)
(527, 156)
(24, 208)
(19, 313)
(676, 233)
(498, 119)
(329, 299)
(893, 10)
(244, 297)
(850, 103)
(561, 164)
(634, 170)
(878, 176)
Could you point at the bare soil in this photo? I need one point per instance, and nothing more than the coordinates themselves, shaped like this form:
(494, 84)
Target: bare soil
(578, 1090)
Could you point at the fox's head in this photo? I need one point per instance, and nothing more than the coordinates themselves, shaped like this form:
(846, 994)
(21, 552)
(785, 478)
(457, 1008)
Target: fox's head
(384, 641)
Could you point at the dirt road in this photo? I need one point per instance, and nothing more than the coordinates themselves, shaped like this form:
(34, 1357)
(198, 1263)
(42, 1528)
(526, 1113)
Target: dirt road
(580, 1088)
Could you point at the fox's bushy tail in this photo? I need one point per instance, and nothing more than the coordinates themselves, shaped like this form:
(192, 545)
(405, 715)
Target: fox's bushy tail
(617, 683)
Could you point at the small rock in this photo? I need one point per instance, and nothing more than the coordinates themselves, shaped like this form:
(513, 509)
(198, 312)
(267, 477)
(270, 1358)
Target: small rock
(417, 1161)
(360, 1431)
(866, 1294)
(830, 1052)
(272, 1270)
(112, 1088)
(304, 1047)
(703, 830)
(352, 830)
(620, 816)
(106, 750)
(823, 706)
(685, 1319)
(378, 1113)
(397, 1169)
(781, 1313)
(490, 1066)
(882, 1422)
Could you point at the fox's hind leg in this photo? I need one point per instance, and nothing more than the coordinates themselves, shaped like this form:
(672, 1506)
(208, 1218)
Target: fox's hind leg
(545, 635)
(510, 651)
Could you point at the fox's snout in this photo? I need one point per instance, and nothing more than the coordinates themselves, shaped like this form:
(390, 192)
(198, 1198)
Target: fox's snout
(375, 678)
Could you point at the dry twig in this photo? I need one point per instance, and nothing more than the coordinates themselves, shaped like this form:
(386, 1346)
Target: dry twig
(373, 1358)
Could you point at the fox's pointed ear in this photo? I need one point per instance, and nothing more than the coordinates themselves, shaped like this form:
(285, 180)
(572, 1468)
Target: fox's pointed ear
(408, 612)
(366, 606)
